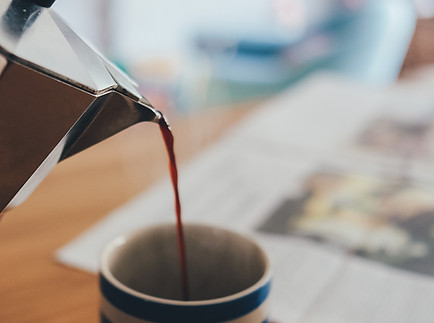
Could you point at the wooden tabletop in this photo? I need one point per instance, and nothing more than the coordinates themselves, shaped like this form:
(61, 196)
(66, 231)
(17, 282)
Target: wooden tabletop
(76, 194)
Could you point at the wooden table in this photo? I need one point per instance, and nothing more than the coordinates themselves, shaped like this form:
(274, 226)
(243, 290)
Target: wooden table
(77, 193)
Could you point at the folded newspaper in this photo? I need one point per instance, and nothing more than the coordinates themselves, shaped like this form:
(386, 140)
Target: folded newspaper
(336, 181)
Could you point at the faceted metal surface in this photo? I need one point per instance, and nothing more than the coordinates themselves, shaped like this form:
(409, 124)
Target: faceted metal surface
(58, 96)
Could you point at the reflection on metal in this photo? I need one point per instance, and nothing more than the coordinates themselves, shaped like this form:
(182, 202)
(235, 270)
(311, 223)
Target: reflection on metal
(3, 63)
(58, 96)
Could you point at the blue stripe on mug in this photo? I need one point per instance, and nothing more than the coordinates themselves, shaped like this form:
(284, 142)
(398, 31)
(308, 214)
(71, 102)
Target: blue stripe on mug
(152, 311)
(106, 320)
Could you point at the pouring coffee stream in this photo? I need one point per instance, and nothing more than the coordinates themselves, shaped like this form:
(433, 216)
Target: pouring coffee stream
(169, 143)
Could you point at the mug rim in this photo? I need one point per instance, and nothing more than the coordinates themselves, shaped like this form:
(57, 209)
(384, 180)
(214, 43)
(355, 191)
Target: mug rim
(123, 238)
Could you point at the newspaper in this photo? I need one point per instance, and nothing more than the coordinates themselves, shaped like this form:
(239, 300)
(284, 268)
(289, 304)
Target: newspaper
(335, 180)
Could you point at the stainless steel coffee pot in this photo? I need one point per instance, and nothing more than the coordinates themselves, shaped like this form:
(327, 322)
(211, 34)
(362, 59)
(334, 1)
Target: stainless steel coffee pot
(58, 96)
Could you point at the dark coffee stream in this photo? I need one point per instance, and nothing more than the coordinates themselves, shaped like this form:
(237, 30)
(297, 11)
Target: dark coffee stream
(168, 140)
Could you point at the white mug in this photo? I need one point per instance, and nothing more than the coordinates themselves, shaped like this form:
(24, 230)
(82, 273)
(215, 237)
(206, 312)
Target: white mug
(228, 275)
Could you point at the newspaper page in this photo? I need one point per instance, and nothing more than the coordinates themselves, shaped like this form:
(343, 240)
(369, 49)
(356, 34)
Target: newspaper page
(335, 180)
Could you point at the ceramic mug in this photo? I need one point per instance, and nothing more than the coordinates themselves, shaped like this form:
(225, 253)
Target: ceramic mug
(228, 274)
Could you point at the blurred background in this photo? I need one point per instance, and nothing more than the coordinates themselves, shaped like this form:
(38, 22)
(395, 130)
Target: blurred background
(191, 55)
